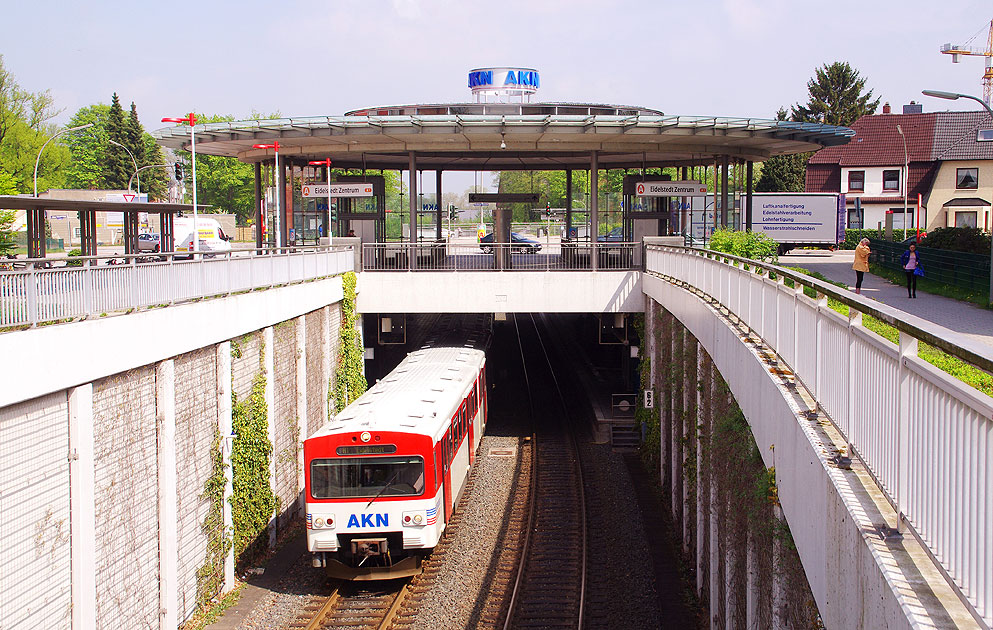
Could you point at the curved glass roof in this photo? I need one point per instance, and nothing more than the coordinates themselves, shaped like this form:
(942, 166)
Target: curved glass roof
(472, 136)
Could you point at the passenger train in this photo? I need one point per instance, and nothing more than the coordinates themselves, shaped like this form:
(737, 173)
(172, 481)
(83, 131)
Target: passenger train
(384, 475)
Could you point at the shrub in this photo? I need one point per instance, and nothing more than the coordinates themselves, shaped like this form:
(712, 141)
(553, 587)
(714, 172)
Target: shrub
(76, 253)
(754, 245)
(971, 240)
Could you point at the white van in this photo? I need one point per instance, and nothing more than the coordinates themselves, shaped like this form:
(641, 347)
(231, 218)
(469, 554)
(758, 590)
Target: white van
(212, 237)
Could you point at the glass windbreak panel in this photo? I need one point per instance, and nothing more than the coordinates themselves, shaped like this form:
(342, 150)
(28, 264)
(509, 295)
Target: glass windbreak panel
(366, 477)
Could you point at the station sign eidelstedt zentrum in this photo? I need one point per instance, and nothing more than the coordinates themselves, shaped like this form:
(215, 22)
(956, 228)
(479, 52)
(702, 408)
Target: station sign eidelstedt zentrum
(671, 189)
(360, 189)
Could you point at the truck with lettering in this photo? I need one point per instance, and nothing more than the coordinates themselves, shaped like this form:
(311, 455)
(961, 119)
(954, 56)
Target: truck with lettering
(800, 219)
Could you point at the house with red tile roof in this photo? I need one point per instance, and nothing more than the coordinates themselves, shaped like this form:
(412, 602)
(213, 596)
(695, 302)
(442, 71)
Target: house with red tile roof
(945, 171)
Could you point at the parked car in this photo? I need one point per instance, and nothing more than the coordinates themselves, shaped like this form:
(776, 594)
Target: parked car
(614, 236)
(149, 243)
(518, 243)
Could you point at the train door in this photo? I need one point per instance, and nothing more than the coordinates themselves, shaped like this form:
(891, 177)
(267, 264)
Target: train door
(446, 468)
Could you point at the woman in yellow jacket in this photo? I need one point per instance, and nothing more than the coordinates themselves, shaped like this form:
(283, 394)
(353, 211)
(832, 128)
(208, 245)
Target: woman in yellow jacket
(861, 264)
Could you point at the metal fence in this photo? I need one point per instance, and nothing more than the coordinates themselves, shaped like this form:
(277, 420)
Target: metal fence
(925, 436)
(960, 269)
(34, 291)
(547, 256)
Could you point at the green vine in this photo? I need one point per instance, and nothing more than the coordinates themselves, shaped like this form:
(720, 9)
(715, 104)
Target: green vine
(348, 382)
(648, 419)
(210, 576)
(253, 500)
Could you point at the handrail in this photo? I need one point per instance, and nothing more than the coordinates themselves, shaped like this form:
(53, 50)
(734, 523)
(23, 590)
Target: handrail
(35, 292)
(953, 343)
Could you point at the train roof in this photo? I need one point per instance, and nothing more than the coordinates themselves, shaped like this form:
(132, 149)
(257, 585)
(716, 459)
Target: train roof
(421, 394)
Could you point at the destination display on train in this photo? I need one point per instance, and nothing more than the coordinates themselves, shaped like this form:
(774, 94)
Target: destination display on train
(687, 188)
(359, 189)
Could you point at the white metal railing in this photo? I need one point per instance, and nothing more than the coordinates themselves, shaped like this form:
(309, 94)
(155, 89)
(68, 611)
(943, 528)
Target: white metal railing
(36, 291)
(925, 436)
(534, 256)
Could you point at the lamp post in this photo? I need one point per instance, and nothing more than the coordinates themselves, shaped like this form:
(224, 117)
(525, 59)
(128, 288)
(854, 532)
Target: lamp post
(326, 162)
(275, 147)
(952, 96)
(906, 173)
(136, 169)
(191, 120)
(38, 159)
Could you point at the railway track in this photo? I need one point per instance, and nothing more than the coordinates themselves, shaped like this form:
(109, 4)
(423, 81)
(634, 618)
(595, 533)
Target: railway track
(549, 589)
(370, 606)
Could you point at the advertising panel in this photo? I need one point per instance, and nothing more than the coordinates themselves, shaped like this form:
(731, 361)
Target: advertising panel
(799, 218)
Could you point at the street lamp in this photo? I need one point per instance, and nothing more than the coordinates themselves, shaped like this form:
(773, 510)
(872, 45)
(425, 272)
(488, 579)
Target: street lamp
(906, 173)
(64, 131)
(135, 166)
(326, 162)
(191, 120)
(954, 96)
(274, 146)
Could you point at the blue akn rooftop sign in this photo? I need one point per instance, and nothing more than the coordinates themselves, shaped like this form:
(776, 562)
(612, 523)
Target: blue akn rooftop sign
(499, 79)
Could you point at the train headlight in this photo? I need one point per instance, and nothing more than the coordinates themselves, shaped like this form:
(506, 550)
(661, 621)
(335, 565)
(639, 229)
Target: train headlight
(366, 436)
(414, 518)
(418, 519)
(319, 523)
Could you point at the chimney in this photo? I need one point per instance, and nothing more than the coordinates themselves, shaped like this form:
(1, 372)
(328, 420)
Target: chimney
(886, 108)
(913, 108)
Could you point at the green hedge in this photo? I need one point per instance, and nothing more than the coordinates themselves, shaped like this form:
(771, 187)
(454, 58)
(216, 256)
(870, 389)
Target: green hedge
(852, 237)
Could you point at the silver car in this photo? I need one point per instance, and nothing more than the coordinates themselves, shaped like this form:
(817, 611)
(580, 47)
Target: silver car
(149, 243)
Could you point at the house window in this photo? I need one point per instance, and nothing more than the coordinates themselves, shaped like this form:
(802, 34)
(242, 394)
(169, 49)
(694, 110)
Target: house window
(854, 219)
(899, 222)
(967, 218)
(891, 180)
(967, 178)
(856, 180)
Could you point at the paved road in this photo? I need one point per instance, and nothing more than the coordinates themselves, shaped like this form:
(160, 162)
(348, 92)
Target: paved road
(962, 317)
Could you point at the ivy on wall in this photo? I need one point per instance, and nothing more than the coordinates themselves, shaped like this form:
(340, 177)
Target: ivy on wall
(648, 419)
(253, 500)
(348, 382)
(210, 576)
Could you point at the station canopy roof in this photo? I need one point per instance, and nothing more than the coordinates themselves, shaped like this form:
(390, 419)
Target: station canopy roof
(537, 136)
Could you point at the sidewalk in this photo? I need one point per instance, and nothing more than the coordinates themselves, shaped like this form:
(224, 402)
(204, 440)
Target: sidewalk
(962, 317)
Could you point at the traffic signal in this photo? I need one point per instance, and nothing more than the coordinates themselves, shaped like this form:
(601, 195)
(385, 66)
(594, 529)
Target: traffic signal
(179, 171)
(453, 211)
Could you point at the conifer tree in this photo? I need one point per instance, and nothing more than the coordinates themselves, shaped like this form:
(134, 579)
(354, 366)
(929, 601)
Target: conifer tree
(836, 96)
(117, 163)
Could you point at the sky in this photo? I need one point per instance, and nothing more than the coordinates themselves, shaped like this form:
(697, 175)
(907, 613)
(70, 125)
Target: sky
(735, 58)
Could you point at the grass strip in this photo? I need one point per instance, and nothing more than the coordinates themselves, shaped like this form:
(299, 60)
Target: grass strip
(927, 285)
(951, 365)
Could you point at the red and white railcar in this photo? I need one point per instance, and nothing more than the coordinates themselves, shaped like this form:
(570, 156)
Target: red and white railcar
(383, 477)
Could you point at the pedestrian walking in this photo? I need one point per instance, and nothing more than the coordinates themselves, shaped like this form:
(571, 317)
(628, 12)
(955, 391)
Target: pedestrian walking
(861, 264)
(910, 260)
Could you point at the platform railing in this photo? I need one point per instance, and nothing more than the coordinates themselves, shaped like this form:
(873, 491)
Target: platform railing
(538, 256)
(926, 437)
(38, 291)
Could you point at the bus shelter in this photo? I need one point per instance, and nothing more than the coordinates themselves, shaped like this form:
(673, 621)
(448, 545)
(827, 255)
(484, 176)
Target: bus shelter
(36, 208)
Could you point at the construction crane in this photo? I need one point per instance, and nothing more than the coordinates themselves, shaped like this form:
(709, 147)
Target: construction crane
(955, 51)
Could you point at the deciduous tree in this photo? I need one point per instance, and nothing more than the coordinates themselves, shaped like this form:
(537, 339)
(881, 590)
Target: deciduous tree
(24, 129)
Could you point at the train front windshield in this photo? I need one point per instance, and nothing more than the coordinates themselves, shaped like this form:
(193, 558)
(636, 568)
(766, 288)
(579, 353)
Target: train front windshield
(346, 478)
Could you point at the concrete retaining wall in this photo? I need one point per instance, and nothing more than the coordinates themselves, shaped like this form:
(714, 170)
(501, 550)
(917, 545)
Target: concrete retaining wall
(124, 432)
